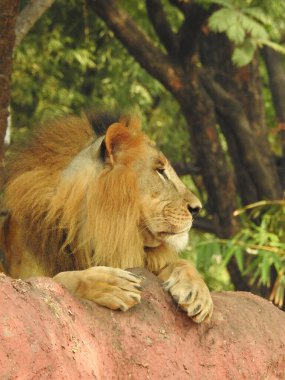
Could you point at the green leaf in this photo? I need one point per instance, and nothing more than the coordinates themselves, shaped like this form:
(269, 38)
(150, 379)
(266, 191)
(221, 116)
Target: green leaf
(254, 276)
(253, 266)
(236, 34)
(277, 263)
(254, 28)
(221, 20)
(243, 54)
(228, 254)
(258, 14)
(265, 267)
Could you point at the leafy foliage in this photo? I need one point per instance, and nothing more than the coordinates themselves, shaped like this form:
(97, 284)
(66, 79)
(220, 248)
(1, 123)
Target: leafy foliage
(82, 66)
(246, 25)
(206, 252)
(263, 240)
(259, 248)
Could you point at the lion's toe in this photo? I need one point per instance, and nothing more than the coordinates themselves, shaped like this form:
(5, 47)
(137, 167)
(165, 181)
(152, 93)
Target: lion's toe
(193, 296)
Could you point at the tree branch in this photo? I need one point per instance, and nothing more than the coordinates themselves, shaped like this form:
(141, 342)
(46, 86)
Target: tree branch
(232, 111)
(199, 111)
(195, 15)
(29, 16)
(139, 45)
(162, 26)
(276, 73)
(183, 168)
(183, 6)
(206, 225)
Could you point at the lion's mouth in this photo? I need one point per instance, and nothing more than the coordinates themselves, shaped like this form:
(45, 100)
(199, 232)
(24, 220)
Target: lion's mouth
(155, 238)
(170, 233)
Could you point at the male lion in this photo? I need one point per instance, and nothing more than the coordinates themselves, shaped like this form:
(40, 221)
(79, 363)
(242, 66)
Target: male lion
(84, 208)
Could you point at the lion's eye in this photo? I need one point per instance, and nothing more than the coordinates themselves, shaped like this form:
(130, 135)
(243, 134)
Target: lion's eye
(162, 172)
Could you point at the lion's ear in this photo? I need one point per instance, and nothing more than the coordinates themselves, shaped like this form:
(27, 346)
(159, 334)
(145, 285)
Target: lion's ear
(117, 136)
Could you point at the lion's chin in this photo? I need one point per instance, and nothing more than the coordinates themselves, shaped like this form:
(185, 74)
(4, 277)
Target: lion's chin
(178, 241)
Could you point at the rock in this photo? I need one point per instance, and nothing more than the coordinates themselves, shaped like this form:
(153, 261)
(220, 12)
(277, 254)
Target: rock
(46, 333)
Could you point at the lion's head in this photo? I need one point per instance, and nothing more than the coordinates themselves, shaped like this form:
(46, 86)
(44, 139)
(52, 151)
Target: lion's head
(167, 206)
(115, 198)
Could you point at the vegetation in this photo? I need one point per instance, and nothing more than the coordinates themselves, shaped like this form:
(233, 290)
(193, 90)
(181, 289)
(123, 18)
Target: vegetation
(259, 250)
(208, 77)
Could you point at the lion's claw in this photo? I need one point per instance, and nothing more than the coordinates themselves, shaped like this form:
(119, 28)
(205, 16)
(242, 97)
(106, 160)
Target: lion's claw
(191, 294)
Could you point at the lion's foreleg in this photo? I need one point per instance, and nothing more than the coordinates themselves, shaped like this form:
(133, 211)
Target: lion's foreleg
(110, 287)
(188, 289)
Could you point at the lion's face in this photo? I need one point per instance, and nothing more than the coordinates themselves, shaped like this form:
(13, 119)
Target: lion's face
(167, 206)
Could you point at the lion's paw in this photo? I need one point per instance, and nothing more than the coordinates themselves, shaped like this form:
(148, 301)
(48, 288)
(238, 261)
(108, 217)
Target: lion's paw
(191, 294)
(113, 288)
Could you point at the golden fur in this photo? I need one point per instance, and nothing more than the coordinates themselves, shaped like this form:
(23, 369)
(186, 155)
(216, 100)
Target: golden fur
(79, 201)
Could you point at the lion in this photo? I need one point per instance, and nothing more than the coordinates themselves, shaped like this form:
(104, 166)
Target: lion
(84, 207)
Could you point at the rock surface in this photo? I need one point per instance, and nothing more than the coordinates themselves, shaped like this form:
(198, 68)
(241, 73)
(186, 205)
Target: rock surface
(46, 333)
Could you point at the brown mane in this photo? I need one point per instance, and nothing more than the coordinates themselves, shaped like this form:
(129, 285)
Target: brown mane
(66, 218)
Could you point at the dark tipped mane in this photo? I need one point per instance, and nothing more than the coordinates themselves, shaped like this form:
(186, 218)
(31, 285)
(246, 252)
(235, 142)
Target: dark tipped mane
(100, 121)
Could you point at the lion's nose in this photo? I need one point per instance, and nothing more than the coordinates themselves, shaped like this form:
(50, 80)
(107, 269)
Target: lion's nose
(194, 211)
(194, 205)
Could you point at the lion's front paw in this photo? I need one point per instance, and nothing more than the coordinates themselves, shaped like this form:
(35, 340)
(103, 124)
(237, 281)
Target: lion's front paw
(110, 287)
(192, 295)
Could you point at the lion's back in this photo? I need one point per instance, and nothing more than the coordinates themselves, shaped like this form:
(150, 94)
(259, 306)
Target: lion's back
(53, 146)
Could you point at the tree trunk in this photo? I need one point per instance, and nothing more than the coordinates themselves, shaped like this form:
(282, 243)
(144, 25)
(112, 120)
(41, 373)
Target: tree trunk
(8, 13)
(242, 119)
(199, 113)
(276, 73)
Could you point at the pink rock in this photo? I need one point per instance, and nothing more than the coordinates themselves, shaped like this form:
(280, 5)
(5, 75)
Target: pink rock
(46, 333)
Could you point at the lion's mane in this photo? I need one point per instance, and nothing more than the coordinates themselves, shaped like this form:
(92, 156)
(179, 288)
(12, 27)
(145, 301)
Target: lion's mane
(65, 214)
